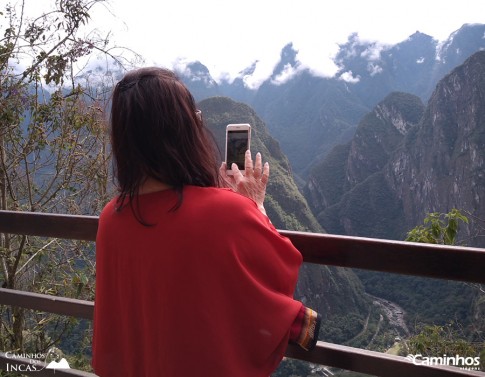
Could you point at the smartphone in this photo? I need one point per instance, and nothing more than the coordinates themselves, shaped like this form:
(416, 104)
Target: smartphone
(238, 139)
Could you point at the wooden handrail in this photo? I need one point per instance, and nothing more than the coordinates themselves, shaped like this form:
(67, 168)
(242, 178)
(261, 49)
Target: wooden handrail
(49, 225)
(437, 261)
(47, 303)
(408, 258)
(372, 362)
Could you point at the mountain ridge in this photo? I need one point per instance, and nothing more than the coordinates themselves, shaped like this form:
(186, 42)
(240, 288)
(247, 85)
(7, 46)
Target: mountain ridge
(319, 113)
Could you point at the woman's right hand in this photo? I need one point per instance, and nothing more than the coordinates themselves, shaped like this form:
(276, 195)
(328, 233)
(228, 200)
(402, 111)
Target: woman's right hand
(253, 183)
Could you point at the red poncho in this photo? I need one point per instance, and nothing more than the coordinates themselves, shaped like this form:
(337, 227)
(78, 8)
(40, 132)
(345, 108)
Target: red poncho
(206, 290)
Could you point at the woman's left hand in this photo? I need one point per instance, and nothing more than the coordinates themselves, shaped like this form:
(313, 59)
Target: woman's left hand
(253, 183)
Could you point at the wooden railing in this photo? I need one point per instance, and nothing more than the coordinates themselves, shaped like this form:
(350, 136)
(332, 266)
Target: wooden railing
(436, 261)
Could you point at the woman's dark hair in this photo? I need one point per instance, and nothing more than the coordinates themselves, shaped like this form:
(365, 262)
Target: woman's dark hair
(156, 132)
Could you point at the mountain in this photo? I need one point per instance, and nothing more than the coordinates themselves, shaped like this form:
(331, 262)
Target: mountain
(309, 115)
(336, 293)
(348, 190)
(404, 161)
(286, 206)
(441, 164)
(414, 65)
(197, 77)
(407, 160)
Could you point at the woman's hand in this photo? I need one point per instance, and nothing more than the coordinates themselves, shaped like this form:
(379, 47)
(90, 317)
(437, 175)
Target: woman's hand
(253, 183)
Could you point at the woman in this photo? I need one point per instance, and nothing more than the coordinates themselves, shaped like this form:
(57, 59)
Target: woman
(191, 279)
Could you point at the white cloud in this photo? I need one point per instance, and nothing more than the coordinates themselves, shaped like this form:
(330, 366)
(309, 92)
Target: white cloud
(349, 77)
(263, 70)
(288, 72)
(373, 52)
(373, 68)
(228, 36)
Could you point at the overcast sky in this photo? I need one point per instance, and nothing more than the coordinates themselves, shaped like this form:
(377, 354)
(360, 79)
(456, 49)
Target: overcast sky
(230, 35)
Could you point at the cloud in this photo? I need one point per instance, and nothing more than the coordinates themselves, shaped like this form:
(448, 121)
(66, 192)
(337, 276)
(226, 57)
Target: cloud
(348, 77)
(262, 70)
(373, 68)
(229, 36)
(286, 74)
(373, 52)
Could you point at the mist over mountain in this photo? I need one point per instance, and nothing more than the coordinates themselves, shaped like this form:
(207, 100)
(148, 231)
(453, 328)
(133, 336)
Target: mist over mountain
(309, 115)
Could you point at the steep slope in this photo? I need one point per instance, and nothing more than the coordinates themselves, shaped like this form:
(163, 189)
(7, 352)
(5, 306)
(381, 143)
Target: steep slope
(286, 205)
(348, 189)
(401, 165)
(335, 292)
(388, 181)
(198, 78)
(441, 165)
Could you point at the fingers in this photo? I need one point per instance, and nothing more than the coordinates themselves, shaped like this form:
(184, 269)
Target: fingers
(236, 173)
(248, 161)
(225, 179)
(265, 176)
(258, 170)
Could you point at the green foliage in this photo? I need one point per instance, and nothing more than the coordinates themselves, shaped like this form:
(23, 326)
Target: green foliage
(438, 228)
(293, 368)
(436, 341)
(53, 158)
(330, 178)
(424, 300)
(451, 339)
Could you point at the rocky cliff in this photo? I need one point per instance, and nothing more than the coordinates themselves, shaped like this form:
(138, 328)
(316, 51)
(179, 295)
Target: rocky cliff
(441, 165)
(348, 189)
(406, 160)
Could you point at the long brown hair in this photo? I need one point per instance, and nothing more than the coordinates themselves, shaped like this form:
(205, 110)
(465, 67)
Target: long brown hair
(156, 132)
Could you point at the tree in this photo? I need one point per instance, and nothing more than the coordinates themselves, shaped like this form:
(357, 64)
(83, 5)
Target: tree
(435, 341)
(438, 228)
(442, 341)
(53, 158)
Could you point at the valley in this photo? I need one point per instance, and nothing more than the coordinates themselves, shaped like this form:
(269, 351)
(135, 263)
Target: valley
(394, 314)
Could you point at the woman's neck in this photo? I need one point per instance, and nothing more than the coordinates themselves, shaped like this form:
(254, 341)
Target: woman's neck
(152, 185)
